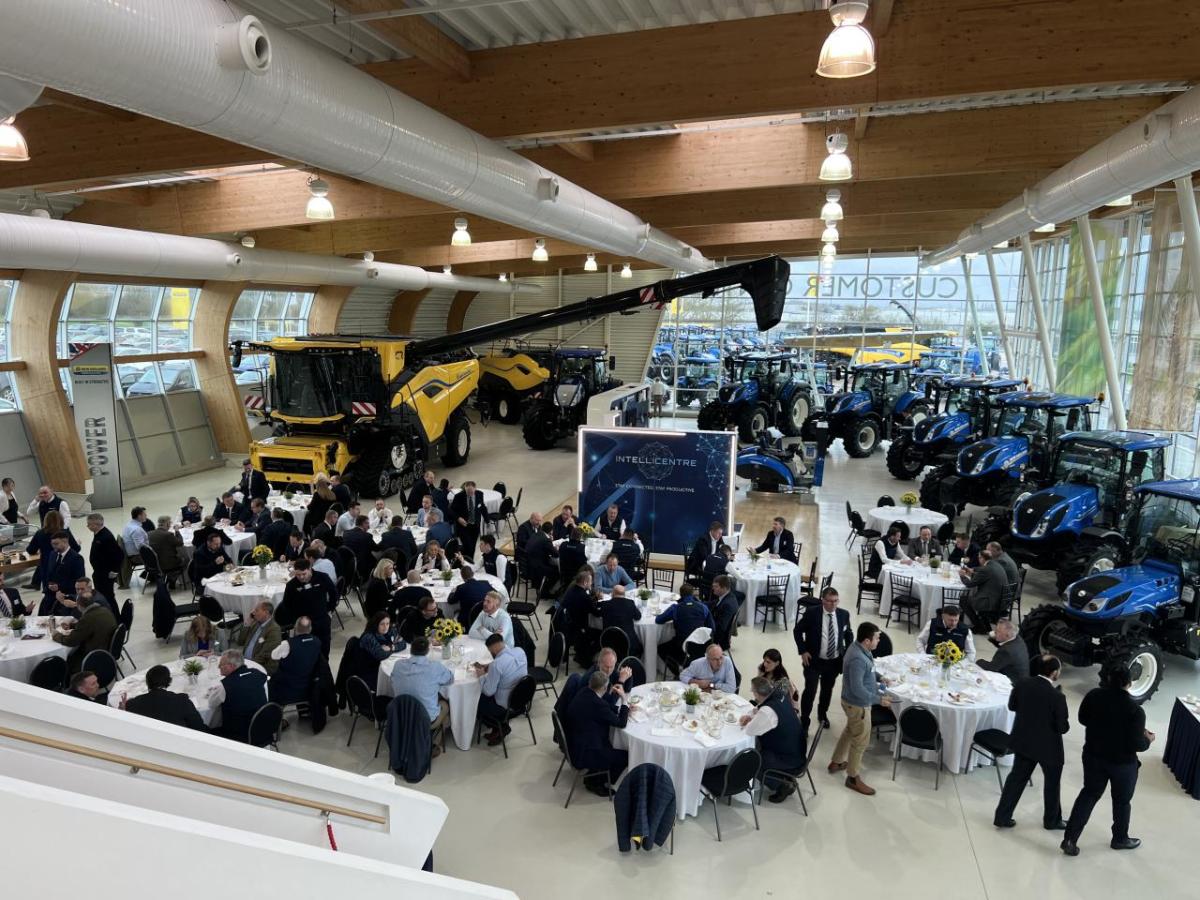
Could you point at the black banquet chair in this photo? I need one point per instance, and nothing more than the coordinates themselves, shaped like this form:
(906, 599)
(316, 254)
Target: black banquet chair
(919, 729)
(616, 640)
(992, 745)
(726, 782)
(50, 674)
(795, 776)
(519, 703)
(362, 703)
(102, 663)
(264, 726)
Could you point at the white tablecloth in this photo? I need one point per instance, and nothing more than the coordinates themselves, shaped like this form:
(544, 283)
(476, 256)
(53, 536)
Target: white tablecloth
(491, 499)
(240, 542)
(19, 657)
(463, 695)
(882, 516)
(751, 579)
(297, 505)
(418, 534)
(244, 597)
(199, 693)
(984, 705)
(927, 585)
(650, 633)
(680, 753)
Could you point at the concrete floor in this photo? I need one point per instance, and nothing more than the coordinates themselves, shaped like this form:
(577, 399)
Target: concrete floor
(507, 826)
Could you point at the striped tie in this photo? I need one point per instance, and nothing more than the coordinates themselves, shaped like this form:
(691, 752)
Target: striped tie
(830, 637)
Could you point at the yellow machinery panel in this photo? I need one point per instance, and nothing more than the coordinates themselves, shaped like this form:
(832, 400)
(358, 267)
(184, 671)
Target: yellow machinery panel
(296, 458)
(437, 391)
(520, 370)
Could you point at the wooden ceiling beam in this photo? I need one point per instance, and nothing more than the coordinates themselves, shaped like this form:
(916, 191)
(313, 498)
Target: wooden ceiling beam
(584, 150)
(82, 104)
(416, 36)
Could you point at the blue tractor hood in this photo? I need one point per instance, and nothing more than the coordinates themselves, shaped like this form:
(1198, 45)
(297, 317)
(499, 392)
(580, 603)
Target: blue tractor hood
(849, 402)
(1058, 509)
(1119, 593)
(993, 455)
(945, 427)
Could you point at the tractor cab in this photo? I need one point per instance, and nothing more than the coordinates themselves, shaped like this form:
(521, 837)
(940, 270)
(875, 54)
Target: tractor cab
(763, 369)
(578, 373)
(1100, 469)
(880, 381)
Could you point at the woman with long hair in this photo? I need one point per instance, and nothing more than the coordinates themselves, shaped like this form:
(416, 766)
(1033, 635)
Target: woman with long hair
(322, 499)
(379, 588)
(771, 668)
(39, 544)
(201, 639)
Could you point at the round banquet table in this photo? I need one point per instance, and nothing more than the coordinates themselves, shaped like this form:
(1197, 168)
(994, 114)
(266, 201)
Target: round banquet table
(18, 657)
(199, 693)
(650, 738)
(462, 695)
(418, 535)
(751, 579)
(882, 516)
(983, 703)
(240, 542)
(927, 585)
(241, 598)
(491, 499)
(649, 632)
(441, 590)
(297, 505)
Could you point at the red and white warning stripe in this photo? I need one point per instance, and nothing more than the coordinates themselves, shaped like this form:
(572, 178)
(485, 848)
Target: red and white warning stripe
(362, 409)
(646, 294)
(252, 401)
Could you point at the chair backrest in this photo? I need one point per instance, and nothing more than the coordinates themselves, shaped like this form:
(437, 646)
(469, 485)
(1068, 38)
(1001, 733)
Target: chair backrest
(903, 528)
(741, 772)
(884, 647)
(500, 488)
(849, 514)
(885, 500)
(952, 595)
(918, 725)
(616, 639)
(127, 614)
(522, 696)
(345, 563)
(812, 572)
(945, 533)
(865, 552)
(662, 579)
(856, 520)
(638, 678)
(950, 511)
(777, 585)
(149, 559)
(560, 738)
(102, 663)
(828, 580)
(210, 609)
(517, 502)
(556, 651)
(901, 584)
(362, 698)
(50, 673)
(512, 572)
(117, 644)
(264, 725)
(506, 508)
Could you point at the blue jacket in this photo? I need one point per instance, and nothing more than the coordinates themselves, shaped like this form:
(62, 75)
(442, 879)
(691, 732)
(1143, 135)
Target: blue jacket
(645, 807)
(688, 615)
(860, 684)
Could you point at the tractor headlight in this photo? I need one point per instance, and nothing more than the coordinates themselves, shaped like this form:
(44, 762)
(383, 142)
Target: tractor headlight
(1097, 604)
(1048, 523)
(981, 465)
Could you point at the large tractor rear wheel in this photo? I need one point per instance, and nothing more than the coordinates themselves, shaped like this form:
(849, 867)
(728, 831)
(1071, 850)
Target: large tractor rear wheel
(458, 440)
(1144, 659)
(861, 436)
(931, 490)
(753, 421)
(541, 427)
(712, 417)
(1086, 558)
(905, 460)
(1037, 624)
(795, 413)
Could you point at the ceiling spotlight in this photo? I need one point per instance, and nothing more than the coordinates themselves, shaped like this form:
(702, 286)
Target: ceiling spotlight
(445, 270)
(626, 271)
(829, 250)
(832, 210)
(590, 265)
(368, 256)
(539, 251)
(12, 143)
(1124, 200)
(247, 241)
(461, 237)
(503, 276)
(319, 206)
(1048, 228)
(830, 234)
(836, 166)
(849, 51)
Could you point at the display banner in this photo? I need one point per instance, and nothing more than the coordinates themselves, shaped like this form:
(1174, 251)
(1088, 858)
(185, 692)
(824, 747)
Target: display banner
(669, 485)
(1079, 363)
(96, 420)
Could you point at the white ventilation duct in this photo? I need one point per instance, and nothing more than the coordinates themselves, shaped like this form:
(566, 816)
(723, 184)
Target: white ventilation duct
(1160, 146)
(27, 242)
(201, 64)
(16, 96)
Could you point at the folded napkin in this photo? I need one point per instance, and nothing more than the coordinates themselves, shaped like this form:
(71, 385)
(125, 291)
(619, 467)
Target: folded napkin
(662, 732)
(703, 739)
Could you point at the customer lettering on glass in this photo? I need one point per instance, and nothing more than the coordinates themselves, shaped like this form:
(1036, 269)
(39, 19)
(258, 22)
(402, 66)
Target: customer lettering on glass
(860, 691)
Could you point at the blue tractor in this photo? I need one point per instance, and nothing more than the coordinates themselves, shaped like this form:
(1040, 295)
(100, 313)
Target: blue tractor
(1074, 527)
(878, 402)
(761, 390)
(995, 470)
(1132, 616)
(699, 379)
(967, 413)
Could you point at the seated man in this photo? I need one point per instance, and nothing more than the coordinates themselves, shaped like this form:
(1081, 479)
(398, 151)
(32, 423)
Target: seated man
(1011, 658)
(410, 595)
(349, 518)
(705, 547)
(380, 516)
(317, 558)
(438, 529)
(259, 636)
(591, 715)
(494, 562)
(576, 604)
(619, 611)
(361, 544)
(167, 544)
(572, 555)
(947, 626)
(10, 602)
(984, 599)
(606, 665)
(780, 736)
(688, 615)
(212, 558)
(276, 534)
(886, 551)
(713, 672)
(208, 527)
(228, 510)
(527, 529)
(424, 511)
(724, 604)
(163, 704)
(924, 544)
(293, 548)
(400, 539)
(628, 550)
(718, 563)
(260, 518)
(492, 620)
(540, 561)
(564, 522)
(964, 552)
(326, 532)
(309, 595)
(415, 624)
(241, 693)
(86, 686)
(779, 542)
(93, 631)
(610, 574)
(297, 657)
(610, 525)
(497, 679)
(422, 677)
(467, 595)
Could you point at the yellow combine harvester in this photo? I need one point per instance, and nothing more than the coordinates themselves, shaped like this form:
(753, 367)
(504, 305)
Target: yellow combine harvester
(509, 376)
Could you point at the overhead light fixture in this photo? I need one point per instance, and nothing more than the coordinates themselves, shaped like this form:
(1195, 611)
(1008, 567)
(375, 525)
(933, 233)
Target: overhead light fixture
(445, 270)
(247, 241)
(40, 212)
(849, 51)
(1003, 245)
(626, 271)
(461, 237)
(829, 250)
(539, 251)
(971, 255)
(830, 235)
(319, 206)
(590, 265)
(836, 166)
(1048, 228)
(503, 276)
(832, 210)
(12, 143)
(368, 256)
(1124, 200)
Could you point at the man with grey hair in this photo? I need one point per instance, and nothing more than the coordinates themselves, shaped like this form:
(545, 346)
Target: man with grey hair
(241, 693)
(1011, 658)
(589, 720)
(105, 557)
(260, 635)
(780, 736)
(412, 593)
(1011, 570)
(167, 545)
(437, 529)
(492, 620)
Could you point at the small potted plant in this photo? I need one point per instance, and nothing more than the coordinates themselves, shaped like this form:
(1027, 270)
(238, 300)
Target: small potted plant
(691, 699)
(909, 499)
(644, 595)
(288, 495)
(754, 555)
(447, 574)
(935, 563)
(262, 557)
(192, 669)
(17, 624)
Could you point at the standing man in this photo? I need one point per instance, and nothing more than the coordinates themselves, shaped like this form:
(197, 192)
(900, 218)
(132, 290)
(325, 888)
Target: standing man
(106, 556)
(253, 484)
(93, 631)
(1114, 733)
(1041, 721)
(779, 542)
(860, 691)
(467, 509)
(724, 604)
(822, 638)
(45, 501)
(62, 570)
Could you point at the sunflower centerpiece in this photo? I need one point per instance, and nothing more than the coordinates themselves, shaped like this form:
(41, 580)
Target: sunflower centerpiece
(909, 500)
(262, 557)
(948, 655)
(443, 632)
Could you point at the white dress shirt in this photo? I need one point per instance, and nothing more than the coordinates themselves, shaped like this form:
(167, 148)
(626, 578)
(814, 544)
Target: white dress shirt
(326, 567)
(380, 518)
(31, 512)
(761, 721)
(344, 523)
(879, 551)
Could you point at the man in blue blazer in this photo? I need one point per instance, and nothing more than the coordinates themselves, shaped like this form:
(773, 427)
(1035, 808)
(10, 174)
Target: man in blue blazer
(62, 570)
(592, 713)
(779, 541)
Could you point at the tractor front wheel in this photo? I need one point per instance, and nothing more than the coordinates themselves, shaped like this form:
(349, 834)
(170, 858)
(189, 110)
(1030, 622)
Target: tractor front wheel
(458, 440)
(795, 413)
(540, 428)
(712, 417)
(752, 422)
(1144, 659)
(861, 436)
(1086, 558)
(1037, 624)
(905, 460)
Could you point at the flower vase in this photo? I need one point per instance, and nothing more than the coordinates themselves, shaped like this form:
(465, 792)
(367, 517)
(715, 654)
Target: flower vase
(18, 633)
(945, 676)
(193, 679)
(908, 509)
(447, 650)
(262, 573)
(690, 709)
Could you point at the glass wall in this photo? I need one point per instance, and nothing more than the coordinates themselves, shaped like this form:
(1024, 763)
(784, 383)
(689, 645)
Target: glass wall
(8, 387)
(262, 315)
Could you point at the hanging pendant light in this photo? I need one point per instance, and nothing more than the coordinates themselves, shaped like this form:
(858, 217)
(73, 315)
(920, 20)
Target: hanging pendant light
(12, 143)
(590, 265)
(626, 271)
(503, 276)
(829, 250)
(830, 235)
(832, 210)
(461, 237)
(1123, 200)
(446, 270)
(318, 206)
(836, 166)
(1048, 228)
(849, 51)
(539, 251)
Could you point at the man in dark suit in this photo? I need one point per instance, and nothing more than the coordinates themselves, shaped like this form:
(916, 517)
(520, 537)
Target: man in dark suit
(467, 510)
(724, 603)
(1115, 732)
(10, 602)
(619, 611)
(260, 518)
(572, 555)
(211, 559)
(564, 522)
(410, 595)
(1012, 656)
(468, 594)
(705, 547)
(229, 510)
(423, 488)
(62, 571)
(576, 604)
(341, 492)
(1036, 740)
(400, 539)
(106, 556)
(527, 529)
(592, 713)
(207, 528)
(779, 541)
(822, 636)
(86, 686)
(688, 615)
(253, 484)
(326, 532)
(1012, 572)
(167, 545)
(167, 706)
(360, 542)
(985, 593)
(924, 544)
(93, 631)
(964, 552)
(308, 595)
(242, 693)
(275, 535)
(540, 561)
(298, 658)
(294, 547)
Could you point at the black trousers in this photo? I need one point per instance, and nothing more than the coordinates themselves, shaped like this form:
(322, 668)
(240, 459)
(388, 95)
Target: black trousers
(1014, 786)
(824, 672)
(468, 536)
(981, 620)
(1098, 774)
(489, 711)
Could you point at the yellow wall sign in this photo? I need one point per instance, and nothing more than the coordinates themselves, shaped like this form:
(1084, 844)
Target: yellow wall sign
(89, 370)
